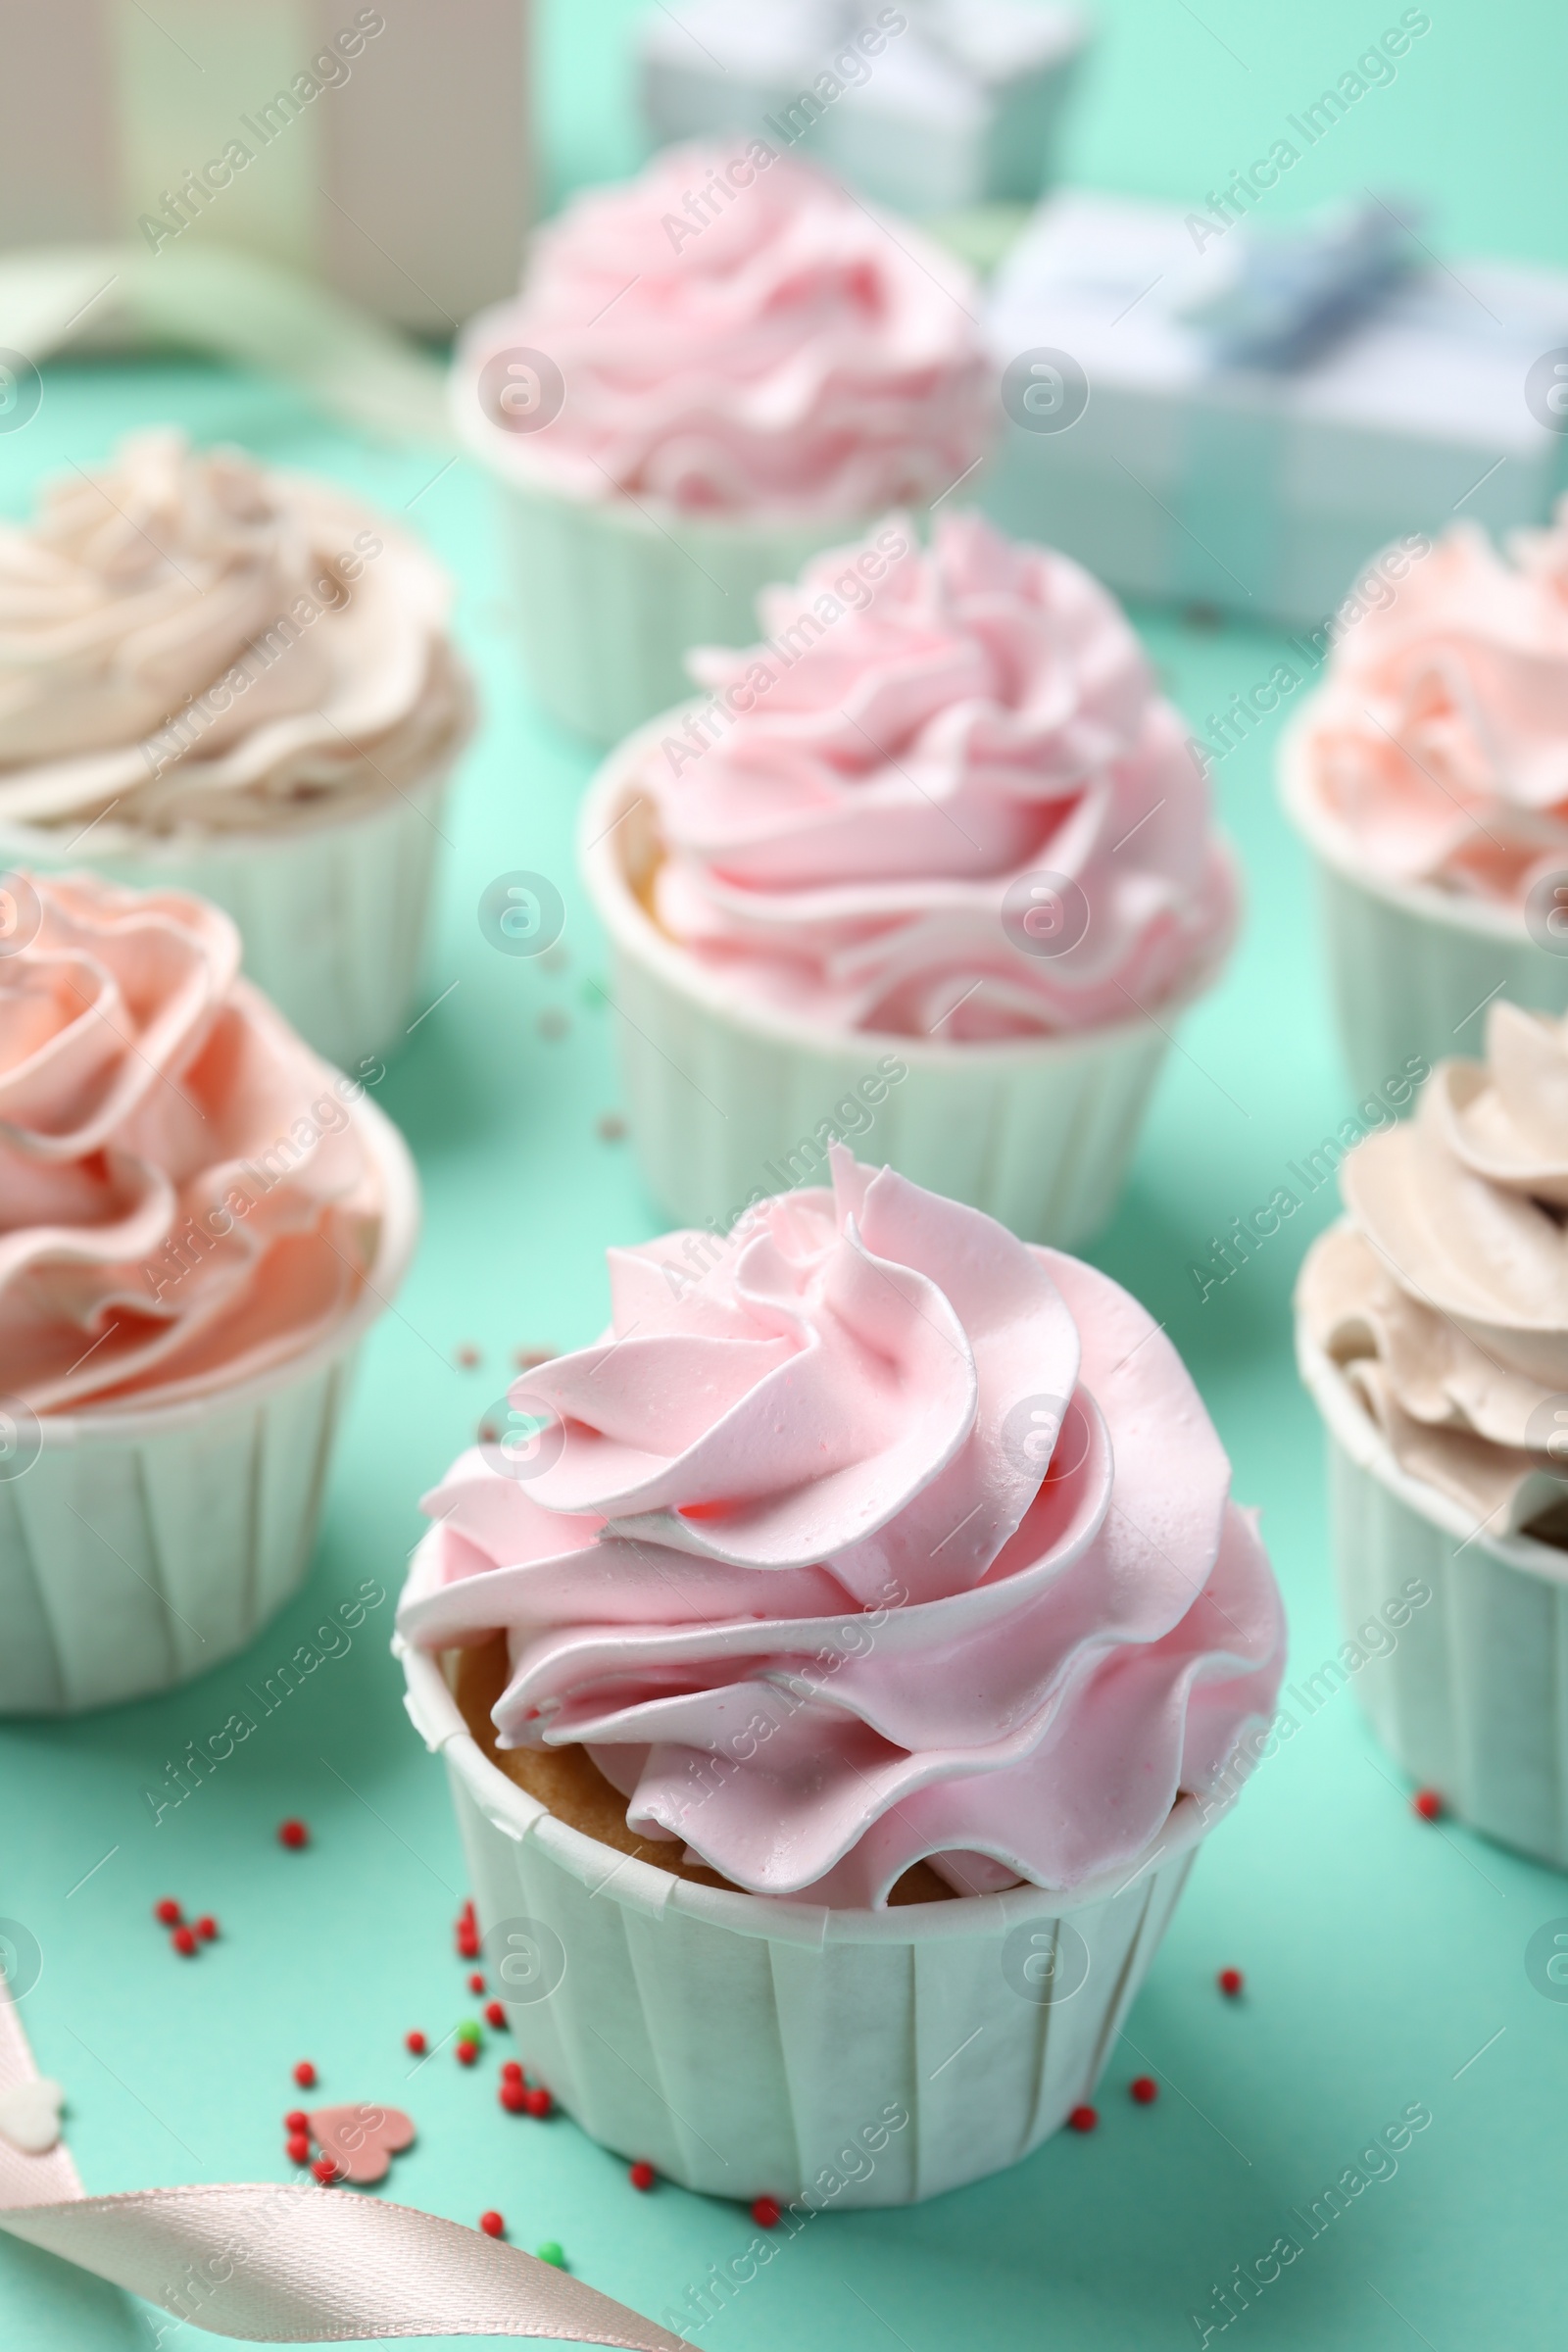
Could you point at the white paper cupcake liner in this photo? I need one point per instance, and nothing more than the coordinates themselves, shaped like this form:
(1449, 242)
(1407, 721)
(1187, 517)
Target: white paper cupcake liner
(332, 910)
(1472, 1698)
(750, 2047)
(726, 1098)
(142, 1546)
(612, 595)
(1412, 969)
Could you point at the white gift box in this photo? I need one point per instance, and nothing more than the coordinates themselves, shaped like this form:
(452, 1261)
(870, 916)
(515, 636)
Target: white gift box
(382, 149)
(929, 107)
(1262, 491)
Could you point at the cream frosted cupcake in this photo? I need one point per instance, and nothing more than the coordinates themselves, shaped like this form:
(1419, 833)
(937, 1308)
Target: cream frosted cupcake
(934, 861)
(1433, 1332)
(221, 678)
(199, 1221)
(837, 1665)
(1430, 777)
(712, 372)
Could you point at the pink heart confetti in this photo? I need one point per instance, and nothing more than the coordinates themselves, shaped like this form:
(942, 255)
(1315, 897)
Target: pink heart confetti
(362, 2141)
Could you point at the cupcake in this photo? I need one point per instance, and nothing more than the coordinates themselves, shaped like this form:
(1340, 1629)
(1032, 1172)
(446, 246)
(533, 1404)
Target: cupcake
(200, 1220)
(1432, 1329)
(219, 678)
(1429, 775)
(837, 1665)
(935, 859)
(711, 373)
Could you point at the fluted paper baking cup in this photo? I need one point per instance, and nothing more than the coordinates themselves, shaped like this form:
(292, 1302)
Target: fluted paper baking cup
(332, 910)
(612, 594)
(1472, 1700)
(1412, 969)
(727, 1098)
(143, 1545)
(752, 2047)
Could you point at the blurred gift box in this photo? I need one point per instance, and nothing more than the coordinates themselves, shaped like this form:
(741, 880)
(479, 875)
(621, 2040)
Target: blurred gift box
(382, 149)
(928, 107)
(1140, 440)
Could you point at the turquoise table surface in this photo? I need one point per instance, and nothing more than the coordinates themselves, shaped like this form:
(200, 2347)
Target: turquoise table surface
(1384, 1958)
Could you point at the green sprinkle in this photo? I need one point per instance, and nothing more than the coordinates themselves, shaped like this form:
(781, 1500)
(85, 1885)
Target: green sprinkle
(469, 2032)
(551, 2252)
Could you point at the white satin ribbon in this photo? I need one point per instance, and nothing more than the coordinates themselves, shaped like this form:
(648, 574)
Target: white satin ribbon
(216, 299)
(286, 2264)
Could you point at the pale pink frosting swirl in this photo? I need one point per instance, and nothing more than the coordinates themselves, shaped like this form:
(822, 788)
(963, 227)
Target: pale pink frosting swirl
(1439, 746)
(886, 1537)
(185, 1198)
(792, 359)
(921, 733)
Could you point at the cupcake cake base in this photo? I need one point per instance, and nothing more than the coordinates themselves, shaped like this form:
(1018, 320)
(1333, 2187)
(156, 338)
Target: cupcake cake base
(612, 596)
(1473, 1700)
(333, 909)
(726, 1098)
(1411, 967)
(749, 2046)
(146, 1543)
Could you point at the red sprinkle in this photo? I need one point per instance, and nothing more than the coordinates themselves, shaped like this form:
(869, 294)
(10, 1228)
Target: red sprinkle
(293, 1833)
(415, 2043)
(764, 2212)
(167, 1913)
(468, 2052)
(297, 2147)
(468, 1944)
(207, 1927)
(1145, 2089)
(495, 2014)
(1230, 1982)
(305, 2074)
(538, 2101)
(1428, 1803)
(492, 2224)
(511, 2071)
(325, 2170)
(477, 1982)
(1084, 2119)
(643, 2176)
(183, 1941)
(470, 1356)
(296, 2120)
(514, 2097)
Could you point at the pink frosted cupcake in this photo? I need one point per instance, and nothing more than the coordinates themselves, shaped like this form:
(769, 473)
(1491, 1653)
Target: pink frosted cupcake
(712, 371)
(199, 1221)
(1430, 776)
(935, 855)
(837, 1665)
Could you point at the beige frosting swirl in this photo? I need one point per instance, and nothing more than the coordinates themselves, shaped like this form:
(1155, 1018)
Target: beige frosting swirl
(190, 639)
(1444, 1295)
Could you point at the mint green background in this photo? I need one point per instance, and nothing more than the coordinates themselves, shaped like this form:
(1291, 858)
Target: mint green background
(1380, 1954)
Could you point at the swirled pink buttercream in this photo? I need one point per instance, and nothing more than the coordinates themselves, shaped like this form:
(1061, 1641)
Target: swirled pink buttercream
(183, 1197)
(769, 350)
(1439, 745)
(853, 826)
(865, 1536)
